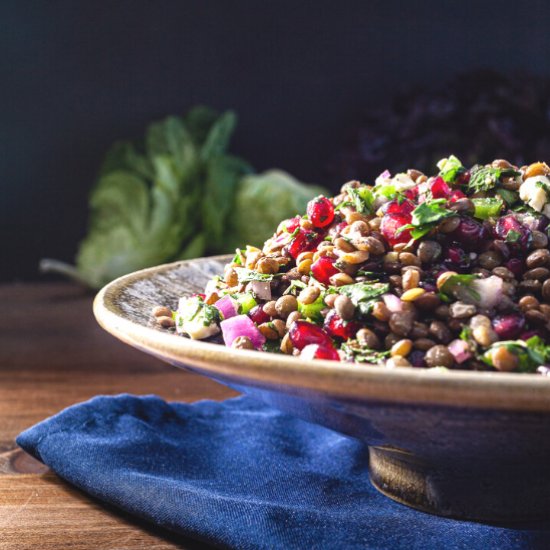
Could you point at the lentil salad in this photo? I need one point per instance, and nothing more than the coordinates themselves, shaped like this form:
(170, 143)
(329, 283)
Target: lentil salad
(443, 271)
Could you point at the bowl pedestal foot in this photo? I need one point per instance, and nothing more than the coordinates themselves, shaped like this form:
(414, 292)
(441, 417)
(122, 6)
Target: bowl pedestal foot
(465, 488)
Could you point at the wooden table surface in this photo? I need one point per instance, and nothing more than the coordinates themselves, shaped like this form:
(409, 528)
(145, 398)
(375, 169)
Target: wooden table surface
(52, 355)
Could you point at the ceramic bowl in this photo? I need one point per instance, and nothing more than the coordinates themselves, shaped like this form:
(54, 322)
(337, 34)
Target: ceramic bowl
(457, 443)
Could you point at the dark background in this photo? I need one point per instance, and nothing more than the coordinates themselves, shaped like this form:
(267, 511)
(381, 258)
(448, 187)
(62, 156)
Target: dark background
(76, 76)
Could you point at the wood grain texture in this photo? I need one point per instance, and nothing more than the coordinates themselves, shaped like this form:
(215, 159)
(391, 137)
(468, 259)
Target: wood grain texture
(52, 355)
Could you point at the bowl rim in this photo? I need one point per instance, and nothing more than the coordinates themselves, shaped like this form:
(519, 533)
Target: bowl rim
(455, 388)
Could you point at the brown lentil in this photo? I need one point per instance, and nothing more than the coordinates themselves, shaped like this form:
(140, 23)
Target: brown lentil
(270, 309)
(375, 246)
(285, 305)
(161, 311)
(309, 295)
(294, 316)
(537, 273)
(463, 206)
(449, 225)
(408, 258)
(428, 301)
(341, 279)
(343, 244)
(533, 287)
(439, 356)
(286, 344)
(419, 330)
(360, 227)
(538, 258)
(539, 239)
(480, 321)
(344, 307)
(230, 277)
(484, 335)
(546, 290)
(397, 362)
(381, 312)
(390, 340)
(424, 344)
(490, 259)
(440, 332)
(442, 311)
(410, 279)
(269, 331)
(242, 342)
(428, 251)
(267, 265)
(503, 273)
(368, 338)
(395, 280)
(535, 316)
(528, 302)
(401, 323)
(330, 299)
(165, 321)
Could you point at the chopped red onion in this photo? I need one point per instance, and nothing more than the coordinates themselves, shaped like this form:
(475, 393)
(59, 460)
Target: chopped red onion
(261, 289)
(241, 325)
(227, 307)
(393, 303)
(460, 350)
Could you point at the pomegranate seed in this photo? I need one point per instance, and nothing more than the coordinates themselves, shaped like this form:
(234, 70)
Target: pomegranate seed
(412, 193)
(323, 269)
(455, 195)
(338, 328)
(303, 333)
(316, 351)
(508, 327)
(292, 224)
(440, 189)
(456, 257)
(391, 223)
(258, 315)
(320, 211)
(304, 240)
(402, 208)
(198, 294)
(463, 178)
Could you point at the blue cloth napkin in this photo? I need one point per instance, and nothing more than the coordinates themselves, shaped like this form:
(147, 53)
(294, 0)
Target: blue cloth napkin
(239, 474)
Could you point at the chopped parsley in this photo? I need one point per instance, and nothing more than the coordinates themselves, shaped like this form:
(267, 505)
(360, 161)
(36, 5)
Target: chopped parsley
(483, 178)
(458, 281)
(295, 287)
(246, 275)
(513, 236)
(361, 292)
(359, 353)
(426, 216)
(362, 198)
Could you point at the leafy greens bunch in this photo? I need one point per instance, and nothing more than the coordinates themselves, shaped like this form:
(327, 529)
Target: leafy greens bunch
(178, 194)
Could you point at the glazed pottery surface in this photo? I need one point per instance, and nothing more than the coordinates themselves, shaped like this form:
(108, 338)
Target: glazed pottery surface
(456, 443)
